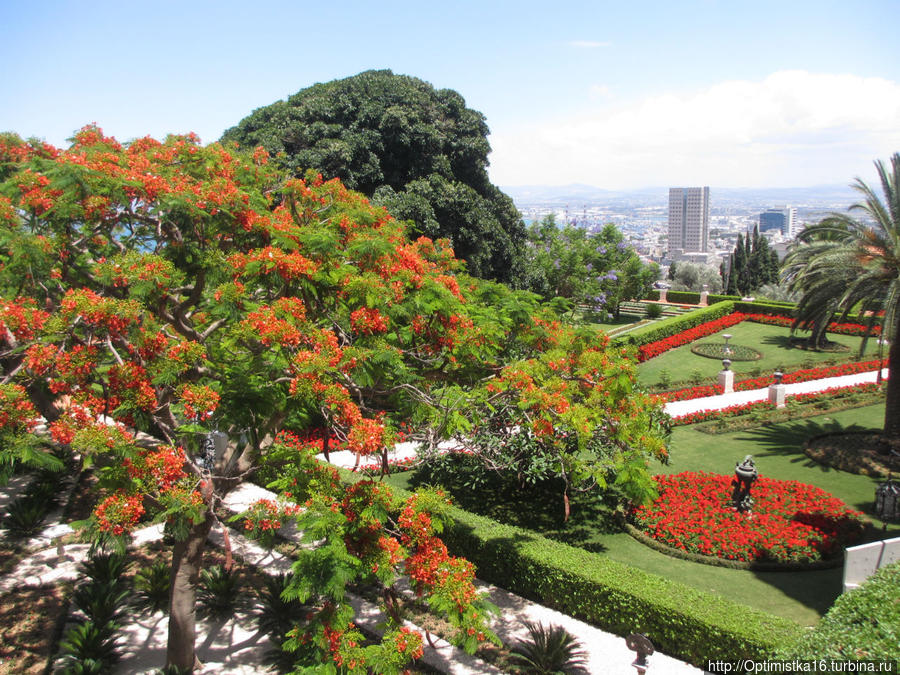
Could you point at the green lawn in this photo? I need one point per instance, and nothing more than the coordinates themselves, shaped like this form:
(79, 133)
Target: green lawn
(772, 341)
(801, 596)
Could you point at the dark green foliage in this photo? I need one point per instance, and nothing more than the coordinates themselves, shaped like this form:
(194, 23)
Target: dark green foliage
(418, 151)
(24, 516)
(219, 590)
(278, 615)
(549, 650)
(752, 264)
(863, 623)
(106, 566)
(686, 297)
(151, 585)
(654, 310)
(89, 648)
(713, 298)
(100, 600)
(675, 324)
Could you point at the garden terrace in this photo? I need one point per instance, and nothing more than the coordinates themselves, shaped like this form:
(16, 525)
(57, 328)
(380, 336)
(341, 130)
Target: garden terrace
(778, 352)
(798, 596)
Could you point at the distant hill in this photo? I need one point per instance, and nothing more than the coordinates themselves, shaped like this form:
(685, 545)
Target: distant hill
(822, 196)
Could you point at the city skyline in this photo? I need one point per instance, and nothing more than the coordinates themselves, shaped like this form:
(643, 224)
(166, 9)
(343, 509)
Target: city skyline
(694, 93)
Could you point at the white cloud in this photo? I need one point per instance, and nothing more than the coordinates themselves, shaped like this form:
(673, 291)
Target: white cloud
(588, 44)
(792, 128)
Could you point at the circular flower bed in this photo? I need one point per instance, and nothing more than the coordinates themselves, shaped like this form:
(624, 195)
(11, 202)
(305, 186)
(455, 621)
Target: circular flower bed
(791, 522)
(717, 350)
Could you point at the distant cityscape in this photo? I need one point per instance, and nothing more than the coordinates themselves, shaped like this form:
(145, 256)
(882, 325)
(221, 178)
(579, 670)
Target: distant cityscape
(694, 224)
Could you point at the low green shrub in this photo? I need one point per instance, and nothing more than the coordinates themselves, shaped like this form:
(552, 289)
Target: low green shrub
(713, 298)
(219, 590)
(652, 295)
(680, 620)
(89, 648)
(685, 297)
(675, 324)
(151, 585)
(549, 650)
(862, 624)
(654, 310)
(24, 517)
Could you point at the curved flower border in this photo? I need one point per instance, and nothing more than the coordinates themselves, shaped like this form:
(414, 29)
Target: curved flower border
(791, 522)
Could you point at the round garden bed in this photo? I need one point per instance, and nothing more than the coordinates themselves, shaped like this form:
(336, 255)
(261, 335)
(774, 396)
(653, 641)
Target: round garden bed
(719, 350)
(792, 525)
(864, 452)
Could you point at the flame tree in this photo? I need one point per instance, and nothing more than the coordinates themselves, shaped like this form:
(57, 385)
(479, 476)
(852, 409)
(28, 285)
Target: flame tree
(155, 291)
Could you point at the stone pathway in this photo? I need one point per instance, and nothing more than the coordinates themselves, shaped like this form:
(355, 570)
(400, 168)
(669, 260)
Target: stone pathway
(678, 408)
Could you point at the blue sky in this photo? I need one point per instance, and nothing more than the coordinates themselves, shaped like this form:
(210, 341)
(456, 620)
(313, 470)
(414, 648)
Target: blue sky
(613, 94)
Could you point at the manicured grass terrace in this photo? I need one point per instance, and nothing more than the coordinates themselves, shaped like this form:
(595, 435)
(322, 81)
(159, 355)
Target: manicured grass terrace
(774, 343)
(800, 596)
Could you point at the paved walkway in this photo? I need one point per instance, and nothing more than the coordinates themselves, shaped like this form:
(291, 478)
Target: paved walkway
(678, 408)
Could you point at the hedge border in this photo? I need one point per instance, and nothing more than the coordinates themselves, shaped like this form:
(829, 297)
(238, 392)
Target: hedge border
(824, 564)
(685, 297)
(682, 621)
(675, 324)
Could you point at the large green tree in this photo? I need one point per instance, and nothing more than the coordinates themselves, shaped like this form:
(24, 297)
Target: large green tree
(844, 263)
(417, 150)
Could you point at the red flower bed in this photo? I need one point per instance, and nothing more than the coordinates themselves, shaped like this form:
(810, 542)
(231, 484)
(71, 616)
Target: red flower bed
(651, 349)
(804, 375)
(790, 521)
(744, 408)
(833, 327)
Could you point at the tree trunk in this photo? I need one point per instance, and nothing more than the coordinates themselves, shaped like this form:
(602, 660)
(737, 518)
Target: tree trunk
(892, 404)
(186, 559)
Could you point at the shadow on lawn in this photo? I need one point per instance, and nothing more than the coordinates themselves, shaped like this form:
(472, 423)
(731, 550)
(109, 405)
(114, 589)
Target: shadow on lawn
(533, 507)
(785, 439)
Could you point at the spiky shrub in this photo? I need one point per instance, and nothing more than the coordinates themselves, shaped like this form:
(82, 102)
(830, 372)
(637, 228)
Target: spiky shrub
(219, 589)
(151, 585)
(24, 517)
(549, 650)
(106, 567)
(101, 601)
(278, 615)
(89, 648)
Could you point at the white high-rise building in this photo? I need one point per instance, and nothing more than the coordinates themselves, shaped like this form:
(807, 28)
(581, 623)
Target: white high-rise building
(688, 219)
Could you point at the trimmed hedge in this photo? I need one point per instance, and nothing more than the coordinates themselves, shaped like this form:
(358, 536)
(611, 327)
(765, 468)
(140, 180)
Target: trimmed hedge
(680, 620)
(685, 297)
(768, 308)
(675, 324)
(713, 298)
(652, 295)
(862, 624)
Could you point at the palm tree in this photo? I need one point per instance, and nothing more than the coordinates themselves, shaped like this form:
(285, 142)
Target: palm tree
(843, 264)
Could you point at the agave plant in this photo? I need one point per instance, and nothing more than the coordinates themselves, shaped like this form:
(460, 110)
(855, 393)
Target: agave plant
(151, 585)
(219, 589)
(549, 650)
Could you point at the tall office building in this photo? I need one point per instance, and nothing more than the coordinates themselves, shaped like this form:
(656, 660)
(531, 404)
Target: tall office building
(688, 219)
(778, 219)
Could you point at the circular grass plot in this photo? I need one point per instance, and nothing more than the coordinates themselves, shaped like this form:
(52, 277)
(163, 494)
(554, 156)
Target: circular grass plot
(719, 351)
